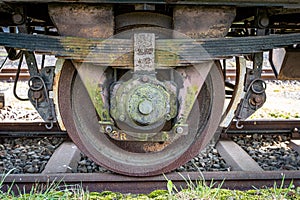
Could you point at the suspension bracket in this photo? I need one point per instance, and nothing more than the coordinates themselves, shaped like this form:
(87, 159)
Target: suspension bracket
(40, 89)
(254, 88)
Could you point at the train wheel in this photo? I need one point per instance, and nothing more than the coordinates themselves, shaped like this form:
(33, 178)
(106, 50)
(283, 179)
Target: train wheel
(137, 158)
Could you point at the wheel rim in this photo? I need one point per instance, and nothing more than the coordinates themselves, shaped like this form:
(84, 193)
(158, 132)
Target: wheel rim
(80, 117)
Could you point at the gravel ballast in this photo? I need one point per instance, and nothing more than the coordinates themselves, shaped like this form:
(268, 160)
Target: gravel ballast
(271, 152)
(207, 160)
(25, 155)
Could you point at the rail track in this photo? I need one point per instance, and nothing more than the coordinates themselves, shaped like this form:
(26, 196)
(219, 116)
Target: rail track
(245, 172)
(9, 74)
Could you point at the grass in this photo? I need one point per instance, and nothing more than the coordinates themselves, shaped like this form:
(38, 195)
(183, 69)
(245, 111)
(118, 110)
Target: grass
(194, 190)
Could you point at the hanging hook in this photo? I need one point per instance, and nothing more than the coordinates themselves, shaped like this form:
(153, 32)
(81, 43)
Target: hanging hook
(50, 126)
(237, 125)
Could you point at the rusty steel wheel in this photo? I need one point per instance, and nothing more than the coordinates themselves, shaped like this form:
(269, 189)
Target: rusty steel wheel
(81, 121)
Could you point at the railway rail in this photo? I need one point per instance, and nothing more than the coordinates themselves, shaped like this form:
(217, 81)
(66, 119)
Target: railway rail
(9, 74)
(124, 184)
(26, 129)
(244, 175)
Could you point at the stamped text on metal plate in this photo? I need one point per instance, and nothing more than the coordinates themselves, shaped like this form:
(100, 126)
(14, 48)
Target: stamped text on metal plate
(144, 46)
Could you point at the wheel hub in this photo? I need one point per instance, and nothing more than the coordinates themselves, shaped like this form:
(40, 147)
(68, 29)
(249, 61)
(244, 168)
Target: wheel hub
(141, 104)
(145, 107)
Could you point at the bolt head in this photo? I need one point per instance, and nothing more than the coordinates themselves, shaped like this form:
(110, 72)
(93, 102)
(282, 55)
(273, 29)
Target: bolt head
(145, 107)
(264, 22)
(179, 130)
(108, 129)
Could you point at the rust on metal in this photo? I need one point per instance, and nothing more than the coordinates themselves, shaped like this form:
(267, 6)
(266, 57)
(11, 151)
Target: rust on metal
(134, 160)
(9, 74)
(85, 20)
(174, 2)
(99, 182)
(2, 100)
(251, 126)
(286, 63)
(144, 52)
(265, 127)
(128, 20)
(203, 22)
(29, 129)
(25, 126)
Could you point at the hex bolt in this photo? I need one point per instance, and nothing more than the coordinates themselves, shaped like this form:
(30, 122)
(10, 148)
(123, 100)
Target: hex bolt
(108, 129)
(179, 130)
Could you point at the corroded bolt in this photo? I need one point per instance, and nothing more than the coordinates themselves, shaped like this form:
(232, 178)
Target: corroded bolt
(179, 130)
(256, 100)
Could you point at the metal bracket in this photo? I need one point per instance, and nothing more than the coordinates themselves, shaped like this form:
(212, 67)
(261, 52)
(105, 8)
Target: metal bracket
(144, 47)
(255, 92)
(162, 136)
(40, 89)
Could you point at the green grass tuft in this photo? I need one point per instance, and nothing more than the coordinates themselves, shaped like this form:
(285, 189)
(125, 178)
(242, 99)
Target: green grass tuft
(194, 190)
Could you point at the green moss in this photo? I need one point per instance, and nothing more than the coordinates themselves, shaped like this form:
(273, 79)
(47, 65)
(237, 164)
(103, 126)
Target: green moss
(159, 194)
(106, 195)
(189, 100)
(95, 93)
(202, 192)
(198, 190)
